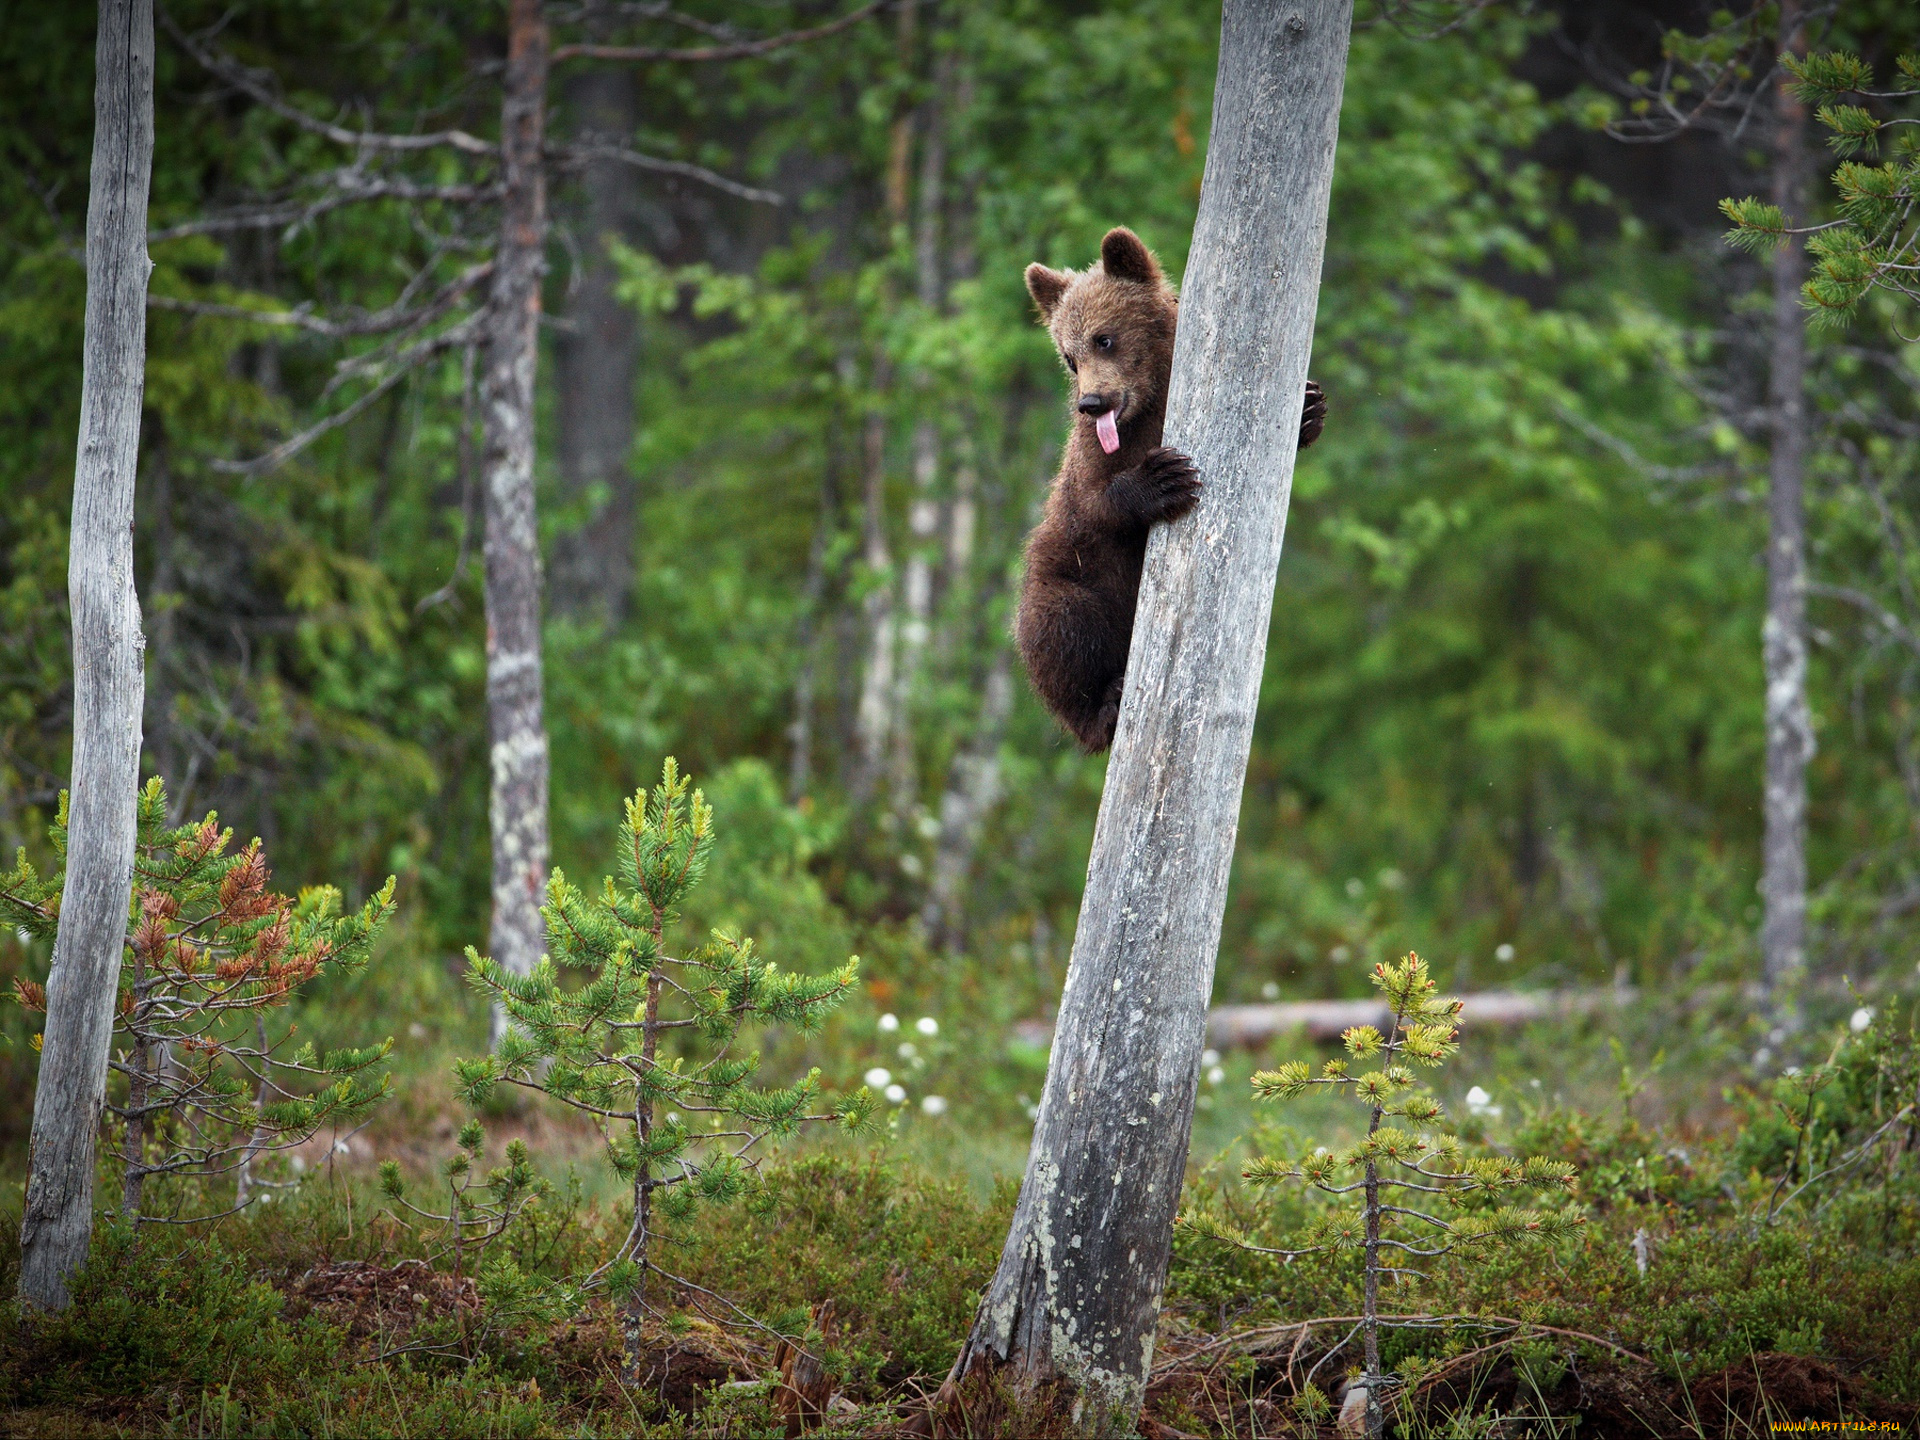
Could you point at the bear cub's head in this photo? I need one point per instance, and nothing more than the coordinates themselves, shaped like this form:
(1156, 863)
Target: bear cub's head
(1113, 326)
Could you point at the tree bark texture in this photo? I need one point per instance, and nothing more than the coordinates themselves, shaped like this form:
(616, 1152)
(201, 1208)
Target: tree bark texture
(973, 788)
(873, 722)
(1789, 719)
(597, 363)
(108, 682)
(1069, 1316)
(516, 727)
(923, 514)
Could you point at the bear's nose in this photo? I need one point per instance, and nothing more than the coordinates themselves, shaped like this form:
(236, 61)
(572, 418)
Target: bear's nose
(1095, 404)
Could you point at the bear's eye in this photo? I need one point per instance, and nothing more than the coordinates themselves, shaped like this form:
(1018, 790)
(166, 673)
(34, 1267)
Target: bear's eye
(1070, 365)
(1103, 342)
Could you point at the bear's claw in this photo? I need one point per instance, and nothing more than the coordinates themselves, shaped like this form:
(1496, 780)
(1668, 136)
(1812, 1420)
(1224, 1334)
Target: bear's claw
(1164, 487)
(1313, 417)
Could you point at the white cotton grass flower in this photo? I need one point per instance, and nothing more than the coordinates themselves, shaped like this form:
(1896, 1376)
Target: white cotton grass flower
(879, 1077)
(889, 1023)
(895, 1094)
(1503, 952)
(1270, 990)
(1479, 1102)
(1862, 1019)
(927, 1026)
(908, 1050)
(1216, 1075)
(1209, 1058)
(933, 1105)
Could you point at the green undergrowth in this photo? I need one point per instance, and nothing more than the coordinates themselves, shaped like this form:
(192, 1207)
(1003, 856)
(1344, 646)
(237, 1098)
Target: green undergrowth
(1773, 1260)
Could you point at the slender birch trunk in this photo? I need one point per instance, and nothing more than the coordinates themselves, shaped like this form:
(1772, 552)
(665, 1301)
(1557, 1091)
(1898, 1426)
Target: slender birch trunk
(1067, 1323)
(108, 684)
(973, 788)
(923, 515)
(1789, 720)
(516, 726)
(806, 636)
(874, 718)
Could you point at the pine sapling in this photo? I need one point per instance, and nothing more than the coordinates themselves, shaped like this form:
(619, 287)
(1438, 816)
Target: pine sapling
(1421, 1196)
(479, 1211)
(646, 1042)
(202, 1090)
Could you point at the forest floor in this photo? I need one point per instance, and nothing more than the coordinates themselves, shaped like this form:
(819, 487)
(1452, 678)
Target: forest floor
(327, 1313)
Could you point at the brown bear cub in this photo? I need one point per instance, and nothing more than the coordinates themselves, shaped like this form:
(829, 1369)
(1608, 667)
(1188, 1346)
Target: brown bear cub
(1114, 328)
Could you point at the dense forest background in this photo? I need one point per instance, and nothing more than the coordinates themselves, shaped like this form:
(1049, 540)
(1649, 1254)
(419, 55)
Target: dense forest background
(796, 419)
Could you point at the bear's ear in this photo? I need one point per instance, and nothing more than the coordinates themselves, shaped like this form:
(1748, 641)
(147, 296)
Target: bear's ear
(1046, 286)
(1124, 258)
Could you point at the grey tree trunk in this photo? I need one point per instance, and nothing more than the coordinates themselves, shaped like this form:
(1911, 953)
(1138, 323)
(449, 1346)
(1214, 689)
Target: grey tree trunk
(516, 727)
(1789, 720)
(1068, 1319)
(973, 788)
(108, 683)
(806, 642)
(923, 514)
(874, 719)
(597, 363)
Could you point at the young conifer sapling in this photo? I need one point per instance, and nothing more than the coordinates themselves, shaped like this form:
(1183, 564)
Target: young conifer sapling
(1421, 1196)
(646, 1045)
(202, 1090)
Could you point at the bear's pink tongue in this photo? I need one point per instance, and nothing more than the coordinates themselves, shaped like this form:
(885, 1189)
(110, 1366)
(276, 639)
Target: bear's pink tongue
(1107, 427)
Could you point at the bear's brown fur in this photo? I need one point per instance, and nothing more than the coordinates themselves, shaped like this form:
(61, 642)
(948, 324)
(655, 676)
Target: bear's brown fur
(1113, 326)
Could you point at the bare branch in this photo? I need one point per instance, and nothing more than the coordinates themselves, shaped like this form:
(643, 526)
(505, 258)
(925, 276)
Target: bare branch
(742, 50)
(591, 150)
(1860, 600)
(410, 360)
(396, 316)
(253, 83)
(347, 190)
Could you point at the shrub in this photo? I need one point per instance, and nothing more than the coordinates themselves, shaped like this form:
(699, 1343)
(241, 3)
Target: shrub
(202, 1090)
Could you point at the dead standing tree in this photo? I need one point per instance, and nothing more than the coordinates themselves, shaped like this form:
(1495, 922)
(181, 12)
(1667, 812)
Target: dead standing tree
(507, 329)
(1067, 1324)
(1726, 81)
(109, 682)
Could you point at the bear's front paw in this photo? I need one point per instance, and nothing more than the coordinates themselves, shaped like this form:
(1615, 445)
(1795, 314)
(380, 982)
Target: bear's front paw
(1314, 417)
(1164, 487)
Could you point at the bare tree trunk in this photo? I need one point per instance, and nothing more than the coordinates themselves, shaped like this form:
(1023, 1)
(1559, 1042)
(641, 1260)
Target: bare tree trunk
(1067, 1323)
(923, 515)
(108, 684)
(916, 604)
(806, 637)
(597, 363)
(1790, 743)
(973, 787)
(515, 724)
(873, 721)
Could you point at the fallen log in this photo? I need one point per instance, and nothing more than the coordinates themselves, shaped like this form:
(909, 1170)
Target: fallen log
(1253, 1025)
(1250, 1025)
